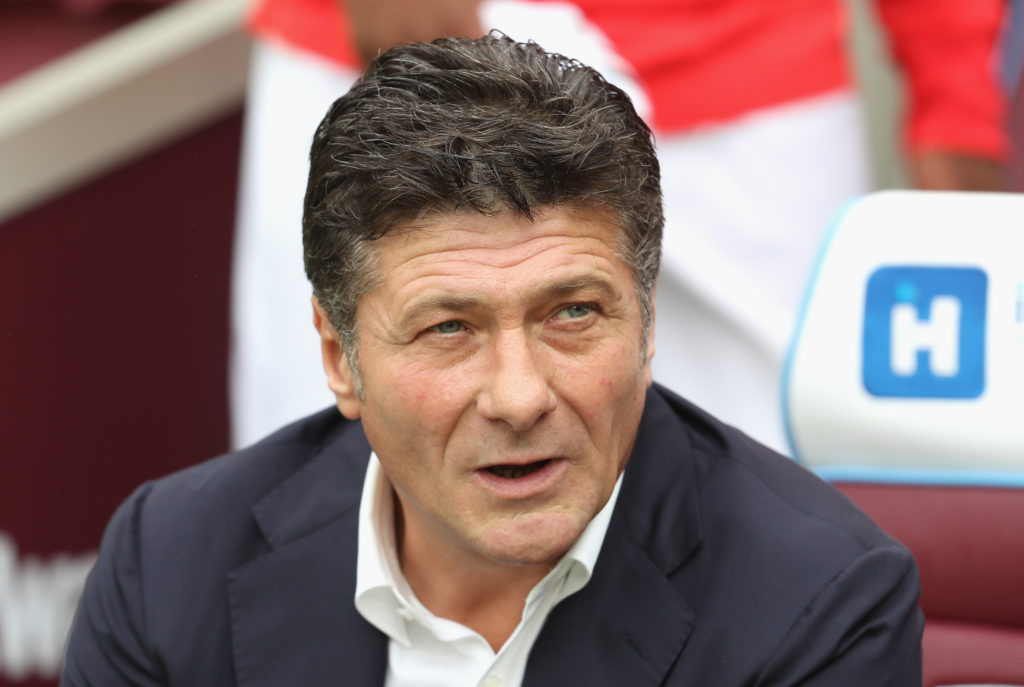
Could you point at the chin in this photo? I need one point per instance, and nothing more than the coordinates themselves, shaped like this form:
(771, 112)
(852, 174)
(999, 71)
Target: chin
(534, 539)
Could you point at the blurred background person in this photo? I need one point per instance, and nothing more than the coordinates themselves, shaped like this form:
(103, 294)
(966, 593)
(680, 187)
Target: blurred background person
(760, 134)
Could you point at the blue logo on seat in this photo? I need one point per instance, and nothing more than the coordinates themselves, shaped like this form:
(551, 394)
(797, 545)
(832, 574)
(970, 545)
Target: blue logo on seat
(924, 332)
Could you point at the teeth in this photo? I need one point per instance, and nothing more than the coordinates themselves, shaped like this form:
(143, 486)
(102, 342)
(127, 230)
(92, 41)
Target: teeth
(516, 471)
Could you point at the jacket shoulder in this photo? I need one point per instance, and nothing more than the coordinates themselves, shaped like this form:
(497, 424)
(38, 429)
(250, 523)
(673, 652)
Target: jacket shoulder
(167, 553)
(786, 565)
(236, 481)
(744, 481)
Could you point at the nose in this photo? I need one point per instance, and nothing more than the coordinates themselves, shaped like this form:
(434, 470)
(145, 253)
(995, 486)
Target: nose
(517, 390)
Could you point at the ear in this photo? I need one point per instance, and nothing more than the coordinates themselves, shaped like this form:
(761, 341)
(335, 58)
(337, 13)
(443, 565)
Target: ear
(340, 378)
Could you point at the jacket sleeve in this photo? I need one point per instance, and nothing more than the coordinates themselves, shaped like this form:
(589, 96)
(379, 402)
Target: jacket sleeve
(863, 628)
(107, 646)
(946, 50)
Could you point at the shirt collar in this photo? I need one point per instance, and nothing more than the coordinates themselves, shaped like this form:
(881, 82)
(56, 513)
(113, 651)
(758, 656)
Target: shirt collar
(383, 595)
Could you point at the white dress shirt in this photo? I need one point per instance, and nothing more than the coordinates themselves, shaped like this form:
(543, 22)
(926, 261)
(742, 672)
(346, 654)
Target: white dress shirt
(425, 650)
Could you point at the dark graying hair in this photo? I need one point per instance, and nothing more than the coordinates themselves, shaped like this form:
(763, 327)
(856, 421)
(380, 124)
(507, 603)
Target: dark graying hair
(486, 125)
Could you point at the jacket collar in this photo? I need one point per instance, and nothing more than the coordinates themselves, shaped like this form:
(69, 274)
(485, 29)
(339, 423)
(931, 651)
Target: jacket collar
(660, 485)
(630, 623)
(292, 615)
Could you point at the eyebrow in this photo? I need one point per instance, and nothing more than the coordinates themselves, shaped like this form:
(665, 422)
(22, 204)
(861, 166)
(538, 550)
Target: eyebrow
(570, 286)
(454, 302)
(445, 301)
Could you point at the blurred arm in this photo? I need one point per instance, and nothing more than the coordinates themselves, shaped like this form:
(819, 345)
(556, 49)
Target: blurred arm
(951, 171)
(381, 24)
(955, 124)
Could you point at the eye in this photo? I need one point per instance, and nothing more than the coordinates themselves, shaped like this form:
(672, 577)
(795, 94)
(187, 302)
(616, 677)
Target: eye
(574, 311)
(449, 327)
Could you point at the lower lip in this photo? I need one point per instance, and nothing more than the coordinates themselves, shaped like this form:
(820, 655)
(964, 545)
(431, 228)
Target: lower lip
(527, 486)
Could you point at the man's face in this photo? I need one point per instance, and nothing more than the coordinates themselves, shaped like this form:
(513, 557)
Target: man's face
(504, 369)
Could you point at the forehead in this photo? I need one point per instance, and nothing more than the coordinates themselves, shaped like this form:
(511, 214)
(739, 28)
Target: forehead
(502, 239)
(502, 255)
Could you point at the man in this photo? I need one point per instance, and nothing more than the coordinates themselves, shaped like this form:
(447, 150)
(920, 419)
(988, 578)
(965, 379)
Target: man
(505, 498)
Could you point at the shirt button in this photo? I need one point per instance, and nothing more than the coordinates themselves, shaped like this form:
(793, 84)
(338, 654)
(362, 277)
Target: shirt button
(491, 681)
(404, 613)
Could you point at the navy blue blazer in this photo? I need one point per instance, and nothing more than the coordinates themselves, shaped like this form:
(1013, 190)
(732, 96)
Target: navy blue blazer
(724, 564)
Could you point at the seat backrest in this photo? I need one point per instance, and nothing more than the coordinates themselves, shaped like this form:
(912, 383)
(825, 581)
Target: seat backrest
(905, 387)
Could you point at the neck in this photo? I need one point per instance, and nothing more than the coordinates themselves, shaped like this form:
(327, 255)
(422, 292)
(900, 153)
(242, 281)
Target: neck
(484, 595)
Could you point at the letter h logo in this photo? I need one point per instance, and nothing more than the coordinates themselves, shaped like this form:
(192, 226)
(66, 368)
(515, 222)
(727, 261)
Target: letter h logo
(924, 332)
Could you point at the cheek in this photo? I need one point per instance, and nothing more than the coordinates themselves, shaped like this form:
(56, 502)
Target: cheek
(607, 396)
(430, 400)
(621, 369)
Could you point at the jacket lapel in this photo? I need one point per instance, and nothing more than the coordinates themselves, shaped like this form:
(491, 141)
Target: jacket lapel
(628, 625)
(293, 621)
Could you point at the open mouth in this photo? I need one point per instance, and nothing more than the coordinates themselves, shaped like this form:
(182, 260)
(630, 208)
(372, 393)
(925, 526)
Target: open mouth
(516, 471)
